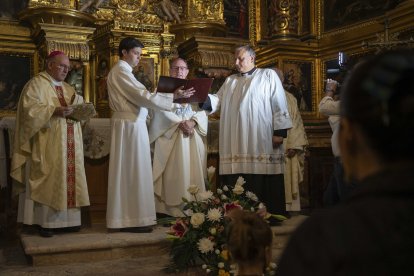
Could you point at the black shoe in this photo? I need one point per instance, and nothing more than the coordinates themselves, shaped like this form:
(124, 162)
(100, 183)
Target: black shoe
(144, 229)
(46, 232)
(70, 229)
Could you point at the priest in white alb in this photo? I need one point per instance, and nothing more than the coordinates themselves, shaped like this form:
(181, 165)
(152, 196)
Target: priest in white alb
(254, 119)
(131, 204)
(179, 150)
(47, 159)
(295, 144)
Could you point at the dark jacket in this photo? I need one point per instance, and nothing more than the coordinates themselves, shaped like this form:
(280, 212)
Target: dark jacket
(371, 233)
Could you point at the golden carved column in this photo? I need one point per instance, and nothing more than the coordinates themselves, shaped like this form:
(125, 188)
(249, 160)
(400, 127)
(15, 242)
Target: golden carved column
(284, 18)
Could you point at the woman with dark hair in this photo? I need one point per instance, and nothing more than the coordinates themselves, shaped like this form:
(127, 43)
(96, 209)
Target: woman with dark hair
(249, 241)
(370, 233)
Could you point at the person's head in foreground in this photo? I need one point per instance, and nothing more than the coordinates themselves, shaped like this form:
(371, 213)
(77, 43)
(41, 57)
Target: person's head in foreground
(377, 114)
(249, 241)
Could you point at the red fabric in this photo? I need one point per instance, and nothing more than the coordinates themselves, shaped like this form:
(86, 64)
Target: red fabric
(55, 53)
(70, 143)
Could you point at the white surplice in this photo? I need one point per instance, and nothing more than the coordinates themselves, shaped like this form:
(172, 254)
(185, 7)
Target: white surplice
(130, 184)
(252, 107)
(179, 161)
(294, 166)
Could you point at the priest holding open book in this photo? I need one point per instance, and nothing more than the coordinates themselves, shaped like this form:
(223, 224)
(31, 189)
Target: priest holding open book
(179, 149)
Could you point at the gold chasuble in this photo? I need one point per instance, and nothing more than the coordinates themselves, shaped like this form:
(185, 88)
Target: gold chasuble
(50, 146)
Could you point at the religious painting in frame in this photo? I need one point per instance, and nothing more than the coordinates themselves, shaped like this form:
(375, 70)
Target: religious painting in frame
(236, 16)
(15, 71)
(298, 78)
(340, 13)
(144, 72)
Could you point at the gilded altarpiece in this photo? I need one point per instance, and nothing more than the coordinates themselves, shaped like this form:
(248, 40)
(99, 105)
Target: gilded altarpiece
(299, 36)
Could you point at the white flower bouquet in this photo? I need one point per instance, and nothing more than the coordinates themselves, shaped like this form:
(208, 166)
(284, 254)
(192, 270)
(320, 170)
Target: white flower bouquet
(198, 238)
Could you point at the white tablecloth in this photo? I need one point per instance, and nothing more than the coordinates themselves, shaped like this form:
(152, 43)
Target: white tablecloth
(96, 140)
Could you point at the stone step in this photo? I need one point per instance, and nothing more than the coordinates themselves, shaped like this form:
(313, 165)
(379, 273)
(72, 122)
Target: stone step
(96, 244)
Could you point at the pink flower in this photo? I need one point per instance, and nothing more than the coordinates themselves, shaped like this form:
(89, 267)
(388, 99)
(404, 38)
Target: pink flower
(228, 207)
(179, 228)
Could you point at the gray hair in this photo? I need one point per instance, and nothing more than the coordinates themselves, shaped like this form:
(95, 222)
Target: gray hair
(248, 49)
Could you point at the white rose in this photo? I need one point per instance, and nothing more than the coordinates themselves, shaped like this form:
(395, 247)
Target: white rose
(219, 191)
(220, 265)
(197, 219)
(238, 189)
(223, 197)
(204, 196)
(251, 196)
(217, 251)
(240, 181)
(225, 188)
(204, 266)
(193, 189)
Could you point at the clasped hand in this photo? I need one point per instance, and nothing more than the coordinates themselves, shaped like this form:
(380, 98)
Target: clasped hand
(277, 141)
(180, 92)
(187, 127)
(63, 111)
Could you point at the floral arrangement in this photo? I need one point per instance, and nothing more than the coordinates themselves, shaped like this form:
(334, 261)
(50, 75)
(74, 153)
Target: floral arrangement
(198, 238)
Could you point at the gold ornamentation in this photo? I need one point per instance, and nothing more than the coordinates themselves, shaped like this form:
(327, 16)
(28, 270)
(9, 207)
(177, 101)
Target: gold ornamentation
(283, 18)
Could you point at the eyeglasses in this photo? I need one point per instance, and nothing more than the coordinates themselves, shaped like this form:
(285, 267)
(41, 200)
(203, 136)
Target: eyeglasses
(176, 68)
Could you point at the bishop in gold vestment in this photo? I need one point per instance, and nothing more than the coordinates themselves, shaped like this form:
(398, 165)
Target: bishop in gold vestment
(47, 159)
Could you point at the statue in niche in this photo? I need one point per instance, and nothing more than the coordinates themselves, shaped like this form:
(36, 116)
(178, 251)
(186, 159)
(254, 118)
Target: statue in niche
(75, 77)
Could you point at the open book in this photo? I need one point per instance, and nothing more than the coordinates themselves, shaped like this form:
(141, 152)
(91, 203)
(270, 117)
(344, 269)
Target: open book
(82, 112)
(201, 86)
